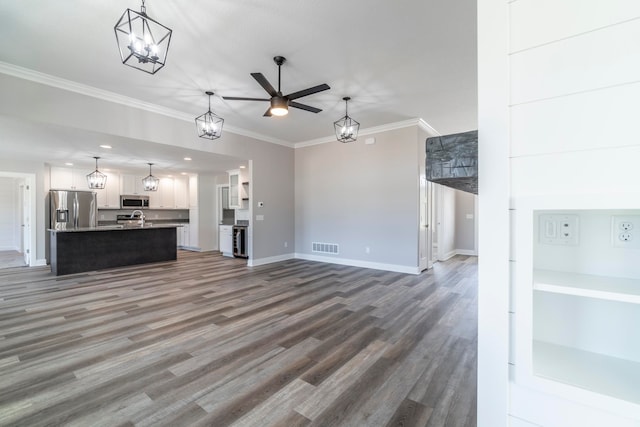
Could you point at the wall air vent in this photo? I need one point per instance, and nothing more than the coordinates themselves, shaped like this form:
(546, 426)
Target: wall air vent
(325, 248)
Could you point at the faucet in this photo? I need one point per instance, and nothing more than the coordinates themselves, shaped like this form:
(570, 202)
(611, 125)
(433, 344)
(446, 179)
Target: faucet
(141, 216)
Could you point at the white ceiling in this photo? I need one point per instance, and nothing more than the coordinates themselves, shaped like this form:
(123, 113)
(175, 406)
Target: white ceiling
(398, 60)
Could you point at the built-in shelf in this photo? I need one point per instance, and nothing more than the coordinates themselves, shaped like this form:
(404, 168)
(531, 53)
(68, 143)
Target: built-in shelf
(586, 285)
(611, 376)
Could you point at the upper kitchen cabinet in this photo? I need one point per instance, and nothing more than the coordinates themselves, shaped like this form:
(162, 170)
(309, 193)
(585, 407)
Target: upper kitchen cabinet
(164, 198)
(234, 189)
(69, 178)
(131, 184)
(181, 193)
(193, 191)
(109, 197)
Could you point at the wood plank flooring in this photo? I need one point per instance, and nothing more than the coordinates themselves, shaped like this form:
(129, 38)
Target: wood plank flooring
(207, 341)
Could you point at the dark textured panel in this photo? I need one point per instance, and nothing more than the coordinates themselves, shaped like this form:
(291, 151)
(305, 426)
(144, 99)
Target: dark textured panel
(77, 252)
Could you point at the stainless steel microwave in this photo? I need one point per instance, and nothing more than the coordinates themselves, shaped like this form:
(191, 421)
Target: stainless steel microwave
(134, 202)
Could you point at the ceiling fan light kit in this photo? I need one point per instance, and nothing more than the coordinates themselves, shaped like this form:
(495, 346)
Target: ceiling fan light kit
(346, 128)
(150, 182)
(209, 125)
(143, 42)
(280, 103)
(96, 179)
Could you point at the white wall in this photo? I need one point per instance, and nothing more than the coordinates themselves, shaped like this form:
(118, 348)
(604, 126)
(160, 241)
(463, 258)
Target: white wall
(465, 228)
(558, 84)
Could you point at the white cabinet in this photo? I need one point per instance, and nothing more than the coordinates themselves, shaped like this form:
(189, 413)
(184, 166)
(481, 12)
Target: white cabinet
(235, 198)
(193, 191)
(164, 198)
(131, 184)
(109, 197)
(226, 240)
(69, 178)
(182, 236)
(193, 228)
(181, 193)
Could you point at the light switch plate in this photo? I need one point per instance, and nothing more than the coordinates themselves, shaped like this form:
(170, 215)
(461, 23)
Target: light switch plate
(558, 229)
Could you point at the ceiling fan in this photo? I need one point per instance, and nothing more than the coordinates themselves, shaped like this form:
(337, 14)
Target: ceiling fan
(280, 103)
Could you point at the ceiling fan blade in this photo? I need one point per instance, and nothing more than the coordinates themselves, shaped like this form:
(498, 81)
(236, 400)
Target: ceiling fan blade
(310, 91)
(264, 83)
(241, 98)
(304, 107)
(267, 113)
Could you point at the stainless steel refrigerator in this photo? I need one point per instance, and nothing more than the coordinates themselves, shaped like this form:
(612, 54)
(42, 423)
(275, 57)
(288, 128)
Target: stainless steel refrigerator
(72, 209)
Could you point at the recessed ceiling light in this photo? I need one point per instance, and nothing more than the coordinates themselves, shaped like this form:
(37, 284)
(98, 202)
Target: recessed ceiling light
(169, 176)
(183, 173)
(187, 158)
(243, 167)
(106, 146)
(69, 164)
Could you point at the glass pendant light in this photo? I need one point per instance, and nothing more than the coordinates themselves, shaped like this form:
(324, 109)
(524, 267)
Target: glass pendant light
(142, 41)
(209, 125)
(346, 128)
(150, 183)
(96, 179)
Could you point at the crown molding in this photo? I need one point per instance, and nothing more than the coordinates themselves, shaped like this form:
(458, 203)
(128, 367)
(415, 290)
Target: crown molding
(69, 85)
(373, 130)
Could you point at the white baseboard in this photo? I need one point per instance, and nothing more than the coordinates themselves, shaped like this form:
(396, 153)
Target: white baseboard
(269, 260)
(38, 263)
(469, 252)
(9, 248)
(358, 263)
(448, 255)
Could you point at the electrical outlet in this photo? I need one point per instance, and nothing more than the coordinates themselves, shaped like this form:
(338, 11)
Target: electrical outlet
(558, 229)
(286, 244)
(367, 250)
(623, 231)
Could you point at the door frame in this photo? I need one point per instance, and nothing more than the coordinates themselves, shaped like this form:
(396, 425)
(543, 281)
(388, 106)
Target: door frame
(27, 212)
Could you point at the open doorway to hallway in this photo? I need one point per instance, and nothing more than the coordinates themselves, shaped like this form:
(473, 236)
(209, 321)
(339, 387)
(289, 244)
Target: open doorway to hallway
(16, 203)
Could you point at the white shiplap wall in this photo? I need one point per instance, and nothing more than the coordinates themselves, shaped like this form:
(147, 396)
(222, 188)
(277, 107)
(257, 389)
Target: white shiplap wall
(573, 104)
(559, 96)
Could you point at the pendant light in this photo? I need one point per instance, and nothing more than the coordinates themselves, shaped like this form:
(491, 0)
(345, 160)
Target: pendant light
(96, 179)
(346, 128)
(142, 41)
(209, 125)
(150, 183)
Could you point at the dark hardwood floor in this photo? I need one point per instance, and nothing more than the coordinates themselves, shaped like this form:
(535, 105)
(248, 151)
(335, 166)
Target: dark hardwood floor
(207, 341)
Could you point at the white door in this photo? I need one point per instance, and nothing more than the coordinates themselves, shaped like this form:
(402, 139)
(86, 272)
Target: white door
(425, 220)
(25, 206)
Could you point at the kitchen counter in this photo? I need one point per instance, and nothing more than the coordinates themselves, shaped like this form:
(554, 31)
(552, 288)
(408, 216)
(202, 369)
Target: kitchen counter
(86, 249)
(116, 227)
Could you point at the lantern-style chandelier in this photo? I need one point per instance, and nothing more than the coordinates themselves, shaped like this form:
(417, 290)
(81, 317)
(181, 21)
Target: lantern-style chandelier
(142, 41)
(346, 128)
(150, 183)
(209, 125)
(96, 179)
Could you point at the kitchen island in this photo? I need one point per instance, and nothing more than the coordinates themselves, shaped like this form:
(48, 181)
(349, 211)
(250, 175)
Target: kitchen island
(86, 249)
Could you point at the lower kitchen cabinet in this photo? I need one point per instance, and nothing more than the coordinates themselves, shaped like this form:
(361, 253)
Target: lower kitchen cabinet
(182, 236)
(226, 240)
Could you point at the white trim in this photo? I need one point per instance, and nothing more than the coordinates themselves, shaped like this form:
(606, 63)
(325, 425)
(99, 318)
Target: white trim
(373, 130)
(363, 264)
(38, 263)
(448, 255)
(64, 84)
(469, 252)
(269, 260)
(10, 248)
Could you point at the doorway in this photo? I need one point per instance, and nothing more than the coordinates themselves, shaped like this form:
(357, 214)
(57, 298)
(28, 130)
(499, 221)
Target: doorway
(17, 208)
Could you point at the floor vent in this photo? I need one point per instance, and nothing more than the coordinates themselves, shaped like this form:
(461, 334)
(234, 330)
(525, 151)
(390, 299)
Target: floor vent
(325, 248)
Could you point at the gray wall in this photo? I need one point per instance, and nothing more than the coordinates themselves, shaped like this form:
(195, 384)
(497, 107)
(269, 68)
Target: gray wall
(273, 165)
(360, 195)
(8, 219)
